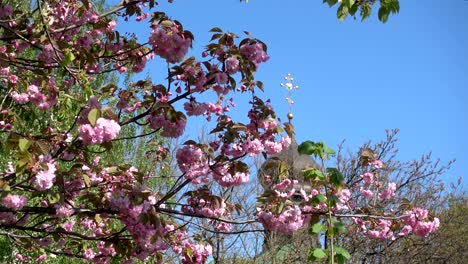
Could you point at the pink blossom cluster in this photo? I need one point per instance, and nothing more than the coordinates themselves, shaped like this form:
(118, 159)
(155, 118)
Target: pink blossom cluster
(389, 192)
(344, 198)
(418, 223)
(194, 108)
(232, 65)
(210, 207)
(381, 230)
(14, 201)
(193, 77)
(5, 120)
(254, 52)
(35, 96)
(5, 10)
(146, 235)
(8, 218)
(172, 128)
(370, 183)
(64, 211)
(198, 253)
(192, 163)
(105, 130)
(45, 178)
(47, 55)
(288, 221)
(256, 146)
(272, 147)
(226, 176)
(5, 75)
(169, 43)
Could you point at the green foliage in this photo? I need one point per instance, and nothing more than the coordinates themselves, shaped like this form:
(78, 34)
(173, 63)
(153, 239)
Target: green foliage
(317, 254)
(314, 175)
(341, 255)
(317, 229)
(318, 150)
(350, 7)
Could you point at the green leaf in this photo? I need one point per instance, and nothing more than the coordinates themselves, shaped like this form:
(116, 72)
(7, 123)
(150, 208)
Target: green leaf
(86, 180)
(339, 226)
(317, 228)
(353, 9)
(68, 58)
(216, 29)
(307, 148)
(336, 177)
(314, 174)
(166, 23)
(329, 151)
(216, 36)
(53, 198)
(349, 3)
(93, 116)
(24, 144)
(342, 12)
(260, 85)
(6, 187)
(366, 11)
(383, 14)
(319, 198)
(339, 251)
(331, 2)
(319, 253)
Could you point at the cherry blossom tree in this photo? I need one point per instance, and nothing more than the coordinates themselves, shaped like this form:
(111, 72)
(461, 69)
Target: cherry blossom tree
(60, 121)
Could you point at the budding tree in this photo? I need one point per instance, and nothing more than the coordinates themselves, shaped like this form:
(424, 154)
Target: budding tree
(63, 194)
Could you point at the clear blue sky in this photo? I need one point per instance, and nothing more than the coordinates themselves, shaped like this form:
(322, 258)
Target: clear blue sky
(357, 79)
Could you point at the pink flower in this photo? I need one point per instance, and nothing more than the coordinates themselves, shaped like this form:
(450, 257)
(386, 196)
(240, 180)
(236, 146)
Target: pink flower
(21, 98)
(417, 219)
(107, 129)
(45, 178)
(104, 131)
(405, 230)
(68, 226)
(170, 44)
(232, 65)
(63, 211)
(254, 53)
(282, 185)
(111, 25)
(389, 192)
(253, 147)
(41, 258)
(22, 258)
(170, 128)
(227, 177)
(272, 147)
(290, 220)
(14, 201)
(89, 254)
(39, 99)
(368, 178)
(366, 193)
(382, 230)
(221, 78)
(377, 164)
(13, 79)
(198, 253)
(192, 162)
(423, 229)
(6, 10)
